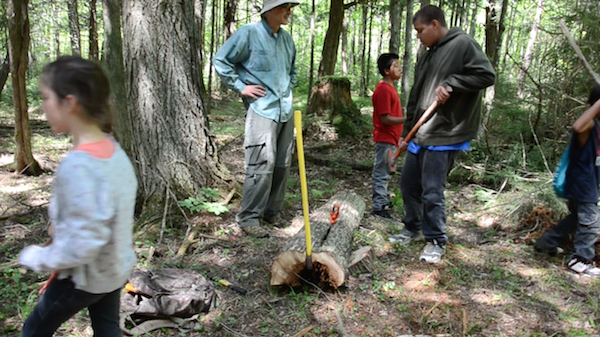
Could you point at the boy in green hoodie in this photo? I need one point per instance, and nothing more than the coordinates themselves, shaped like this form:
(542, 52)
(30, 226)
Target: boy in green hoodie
(454, 71)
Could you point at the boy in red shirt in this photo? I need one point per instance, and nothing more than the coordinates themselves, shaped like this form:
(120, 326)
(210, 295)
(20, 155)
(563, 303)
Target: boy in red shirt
(387, 120)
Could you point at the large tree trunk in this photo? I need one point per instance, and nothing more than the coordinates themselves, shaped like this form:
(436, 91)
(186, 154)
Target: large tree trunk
(331, 245)
(229, 18)
(74, 27)
(395, 22)
(332, 38)
(199, 13)
(171, 137)
(407, 60)
(4, 72)
(18, 28)
(93, 43)
(330, 94)
(112, 62)
(530, 47)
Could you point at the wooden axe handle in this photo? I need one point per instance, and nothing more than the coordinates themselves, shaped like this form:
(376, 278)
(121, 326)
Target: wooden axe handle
(424, 117)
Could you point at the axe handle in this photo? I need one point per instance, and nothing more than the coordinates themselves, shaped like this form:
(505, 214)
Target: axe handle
(424, 117)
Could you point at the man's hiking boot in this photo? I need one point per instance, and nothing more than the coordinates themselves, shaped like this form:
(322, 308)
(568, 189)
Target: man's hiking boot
(583, 267)
(433, 252)
(406, 236)
(258, 232)
(541, 246)
(383, 213)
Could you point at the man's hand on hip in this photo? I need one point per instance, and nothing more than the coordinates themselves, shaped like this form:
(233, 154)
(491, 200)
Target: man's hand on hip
(253, 91)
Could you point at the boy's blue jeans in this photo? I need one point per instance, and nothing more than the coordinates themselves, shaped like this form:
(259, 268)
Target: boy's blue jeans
(584, 222)
(62, 301)
(422, 184)
(381, 177)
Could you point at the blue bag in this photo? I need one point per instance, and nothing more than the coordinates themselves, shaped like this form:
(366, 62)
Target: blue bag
(560, 174)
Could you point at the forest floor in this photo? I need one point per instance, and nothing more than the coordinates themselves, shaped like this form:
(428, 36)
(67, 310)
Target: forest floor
(490, 282)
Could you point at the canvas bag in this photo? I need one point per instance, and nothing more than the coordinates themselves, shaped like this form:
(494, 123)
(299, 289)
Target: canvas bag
(560, 174)
(164, 298)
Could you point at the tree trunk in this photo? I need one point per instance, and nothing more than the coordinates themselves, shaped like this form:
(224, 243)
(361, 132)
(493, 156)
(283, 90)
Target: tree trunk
(530, 47)
(331, 245)
(332, 38)
(473, 24)
(199, 14)
(229, 18)
(18, 28)
(171, 136)
(328, 94)
(112, 62)
(93, 43)
(56, 26)
(4, 72)
(369, 42)
(74, 27)
(212, 51)
(363, 47)
(491, 29)
(345, 43)
(464, 13)
(395, 22)
(312, 48)
(407, 60)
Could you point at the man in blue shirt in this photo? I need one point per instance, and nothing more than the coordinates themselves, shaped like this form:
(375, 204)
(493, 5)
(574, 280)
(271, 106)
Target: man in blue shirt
(453, 72)
(258, 61)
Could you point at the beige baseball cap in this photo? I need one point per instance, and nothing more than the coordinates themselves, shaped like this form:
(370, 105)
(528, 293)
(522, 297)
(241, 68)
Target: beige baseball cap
(270, 4)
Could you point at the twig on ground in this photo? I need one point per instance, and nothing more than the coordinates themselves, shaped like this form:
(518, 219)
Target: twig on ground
(464, 321)
(431, 310)
(304, 331)
(235, 333)
(314, 285)
(340, 323)
(163, 224)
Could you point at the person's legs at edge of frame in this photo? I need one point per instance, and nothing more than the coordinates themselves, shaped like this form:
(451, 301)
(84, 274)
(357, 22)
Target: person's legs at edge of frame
(283, 161)
(259, 145)
(104, 315)
(584, 241)
(58, 304)
(435, 166)
(550, 241)
(410, 187)
(380, 181)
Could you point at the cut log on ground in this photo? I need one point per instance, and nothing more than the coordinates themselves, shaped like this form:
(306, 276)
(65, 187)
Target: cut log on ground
(331, 245)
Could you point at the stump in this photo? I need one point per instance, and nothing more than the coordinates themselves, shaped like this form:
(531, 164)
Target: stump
(331, 246)
(329, 94)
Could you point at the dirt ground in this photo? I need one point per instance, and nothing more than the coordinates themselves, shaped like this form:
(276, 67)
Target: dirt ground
(489, 283)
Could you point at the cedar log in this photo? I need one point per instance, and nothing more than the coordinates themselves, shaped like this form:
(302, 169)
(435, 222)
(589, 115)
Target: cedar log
(331, 247)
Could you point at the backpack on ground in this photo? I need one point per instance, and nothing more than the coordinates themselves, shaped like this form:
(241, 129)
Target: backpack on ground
(164, 298)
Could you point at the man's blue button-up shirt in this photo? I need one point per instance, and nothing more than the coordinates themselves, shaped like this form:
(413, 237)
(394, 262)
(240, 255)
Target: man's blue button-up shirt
(256, 55)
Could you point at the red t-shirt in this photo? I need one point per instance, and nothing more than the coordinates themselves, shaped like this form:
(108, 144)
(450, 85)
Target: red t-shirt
(102, 149)
(386, 102)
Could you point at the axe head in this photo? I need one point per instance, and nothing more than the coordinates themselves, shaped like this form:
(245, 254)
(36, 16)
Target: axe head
(390, 160)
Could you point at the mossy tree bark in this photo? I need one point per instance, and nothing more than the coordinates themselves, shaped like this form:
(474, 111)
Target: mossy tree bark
(331, 245)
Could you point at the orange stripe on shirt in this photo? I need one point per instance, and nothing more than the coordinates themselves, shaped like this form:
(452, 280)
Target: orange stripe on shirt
(102, 149)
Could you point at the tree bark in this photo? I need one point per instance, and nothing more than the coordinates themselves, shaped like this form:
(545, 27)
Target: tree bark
(54, 24)
(395, 23)
(331, 245)
(93, 43)
(199, 14)
(171, 136)
(18, 28)
(74, 27)
(369, 42)
(473, 24)
(530, 47)
(312, 48)
(229, 18)
(4, 72)
(363, 47)
(345, 44)
(407, 59)
(112, 62)
(328, 94)
(332, 38)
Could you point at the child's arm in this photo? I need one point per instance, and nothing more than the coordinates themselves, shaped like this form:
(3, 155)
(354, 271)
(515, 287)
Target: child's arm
(83, 228)
(391, 120)
(584, 124)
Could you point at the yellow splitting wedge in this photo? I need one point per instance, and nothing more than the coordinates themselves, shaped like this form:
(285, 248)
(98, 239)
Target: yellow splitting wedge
(298, 125)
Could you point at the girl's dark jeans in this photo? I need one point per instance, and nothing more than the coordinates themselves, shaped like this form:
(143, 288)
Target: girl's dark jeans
(62, 301)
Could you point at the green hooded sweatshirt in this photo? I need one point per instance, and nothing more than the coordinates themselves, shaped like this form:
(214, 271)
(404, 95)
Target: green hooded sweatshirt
(455, 61)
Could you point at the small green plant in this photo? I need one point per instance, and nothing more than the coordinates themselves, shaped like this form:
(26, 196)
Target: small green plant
(206, 202)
